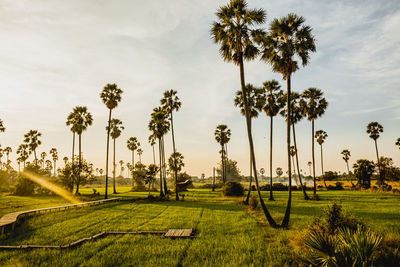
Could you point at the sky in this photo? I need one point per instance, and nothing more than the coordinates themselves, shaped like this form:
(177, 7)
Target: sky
(55, 55)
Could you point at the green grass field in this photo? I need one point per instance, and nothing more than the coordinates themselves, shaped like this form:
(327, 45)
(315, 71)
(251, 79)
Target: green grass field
(227, 235)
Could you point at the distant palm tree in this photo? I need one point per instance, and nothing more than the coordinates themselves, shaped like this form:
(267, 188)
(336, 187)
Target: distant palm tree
(33, 141)
(132, 145)
(313, 105)
(374, 129)
(236, 33)
(346, 157)
(2, 128)
(54, 155)
(140, 152)
(152, 142)
(111, 96)
(321, 135)
(222, 135)
(81, 119)
(101, 172)
(171, 102)
(287, 40)
(115, 131)
(159, 126)
(255, 101)
(43, 156)
(23, 152)
(296, 116)
(273, 105)
(398, 142)
(65, 159)
(7, 150)
(1, 156)
(309, 166)
(121, 164)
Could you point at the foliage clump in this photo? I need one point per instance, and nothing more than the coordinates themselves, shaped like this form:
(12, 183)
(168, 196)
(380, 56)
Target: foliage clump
(232, 188)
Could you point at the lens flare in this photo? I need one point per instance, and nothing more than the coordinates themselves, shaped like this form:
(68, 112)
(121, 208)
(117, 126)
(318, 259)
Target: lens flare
(50, 186)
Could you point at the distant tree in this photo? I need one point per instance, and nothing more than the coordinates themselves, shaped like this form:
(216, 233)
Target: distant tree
(313, 105)
(175, 163)
(65, 159)
(121, 164)
(231, 169)
(398, 142)
(222, 135)
(389, 171)
(32, 140)
(171, 102)
(152, 142)
(43, 156)
(309, 167)
(7, 150)
(151, 175)
(115, 132)
(23, 152)
(346, 156)
(132, 145)
(321, 135)
(184, 181)
(373, 130)
(111, 96)
(68, 178)
(101, 172)
(139, 176)
(2, 128)
(54, 155)
(140, 152)
(363, 169)
(279, 171)
(49, 165)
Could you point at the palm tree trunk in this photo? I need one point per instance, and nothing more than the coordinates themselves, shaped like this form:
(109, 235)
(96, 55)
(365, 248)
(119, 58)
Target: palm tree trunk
(108, 145)
(213, 187)
(246, 202)
(322, 168)
(115, 191)
(154, 155)
(313, 160)
(164, 169)
(161, 172)
(379, 165)
(173, 145)
(271, 196)
(271, 220)
(222, 164)
(133, 168)
(306, 197)
(54, 168)
(79, 165)
(348, 172)
(285, 221)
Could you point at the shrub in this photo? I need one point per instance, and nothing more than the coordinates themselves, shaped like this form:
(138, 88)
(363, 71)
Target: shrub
(232, 188)
(253, 202)
(337, 186)
(24, 187)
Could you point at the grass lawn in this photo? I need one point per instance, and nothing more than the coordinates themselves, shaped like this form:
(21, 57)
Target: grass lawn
(227, 234)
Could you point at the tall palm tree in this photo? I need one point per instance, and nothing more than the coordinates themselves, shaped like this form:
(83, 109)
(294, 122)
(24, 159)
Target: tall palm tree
(33, 141)
(152, 142)
(374, 129)
(346, 157)
(115, 131)
(321, 135)
(159, 126)
(111, 96)
(2, 128)
(222, 135)
(255, 103)
(54, 155)
(273, 105)
(140, 152)
(23, 152)
(236, 33)
(288, 41)
(313, 105)
(296, 116)
(82, 119)
(132, 145)
(171, 102)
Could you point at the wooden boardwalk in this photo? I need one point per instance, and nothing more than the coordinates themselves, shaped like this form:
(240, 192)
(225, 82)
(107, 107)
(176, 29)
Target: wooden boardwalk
(171, 233)
(8, 221)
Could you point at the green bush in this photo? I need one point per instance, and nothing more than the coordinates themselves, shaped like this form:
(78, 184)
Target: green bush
(24, 187)
(232, 188)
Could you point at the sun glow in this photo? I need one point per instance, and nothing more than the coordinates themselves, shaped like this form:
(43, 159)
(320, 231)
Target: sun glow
(50, 186)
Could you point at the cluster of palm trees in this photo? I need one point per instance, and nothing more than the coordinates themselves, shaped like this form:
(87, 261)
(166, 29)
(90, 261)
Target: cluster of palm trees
(160, 123)
(287, 43)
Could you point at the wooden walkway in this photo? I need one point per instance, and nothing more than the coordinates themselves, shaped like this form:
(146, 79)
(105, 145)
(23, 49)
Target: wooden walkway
(8, 221)
(171, 233)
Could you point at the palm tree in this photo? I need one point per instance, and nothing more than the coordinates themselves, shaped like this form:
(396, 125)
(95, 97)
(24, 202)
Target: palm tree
(236, 33)
(296, 116)
(2, 128)
(321, 135)
(152, 142)
(171, 102)
(33, 141)
(115, 131)
(346, 157)
(287, 40)
(7, 150)
(374, 129)
(43, 156)
(255, 103)
(101, 172)
(159, 126)
(1, 156)
(132, 145)
(309, 166)
(111, 96)
(54, 155)
(81, 119)
(398, 142)
(272, 107)
(121, 164)
(23, 152)
(313, 105)
(65, 159)
(140, 152)
(222, 135)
